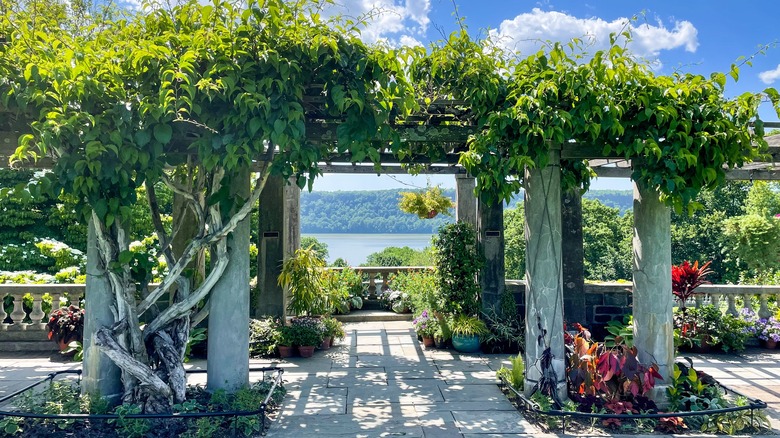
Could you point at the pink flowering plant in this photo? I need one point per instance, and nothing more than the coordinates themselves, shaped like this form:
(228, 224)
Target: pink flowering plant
(425, 324)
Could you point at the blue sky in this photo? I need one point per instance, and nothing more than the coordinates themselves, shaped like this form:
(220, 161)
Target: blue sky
(684, 35)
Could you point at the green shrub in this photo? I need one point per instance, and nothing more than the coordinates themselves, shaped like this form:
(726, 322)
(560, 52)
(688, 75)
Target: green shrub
(514, 376)
(457, 264)
(421, 288)
(263, 335)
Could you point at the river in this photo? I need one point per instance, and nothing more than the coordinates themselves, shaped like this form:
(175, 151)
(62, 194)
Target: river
(355, 248)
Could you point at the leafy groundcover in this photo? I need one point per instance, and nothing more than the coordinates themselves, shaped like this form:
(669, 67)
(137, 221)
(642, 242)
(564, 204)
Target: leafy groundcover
(609, 390)
(55, 407)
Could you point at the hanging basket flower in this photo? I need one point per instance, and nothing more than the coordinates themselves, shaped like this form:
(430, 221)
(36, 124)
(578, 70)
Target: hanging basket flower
(426, 205)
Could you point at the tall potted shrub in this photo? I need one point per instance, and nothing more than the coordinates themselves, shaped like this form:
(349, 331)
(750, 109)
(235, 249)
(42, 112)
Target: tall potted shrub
(457, 264)
(302, 276)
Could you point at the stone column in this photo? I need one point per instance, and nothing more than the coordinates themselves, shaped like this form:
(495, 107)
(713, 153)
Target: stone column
(543, 275)
(292, 226)
(228, 347)
(573, 258)
(490, 235)
(652, 293)
(279, 235)
(100, 375)
(466, 201)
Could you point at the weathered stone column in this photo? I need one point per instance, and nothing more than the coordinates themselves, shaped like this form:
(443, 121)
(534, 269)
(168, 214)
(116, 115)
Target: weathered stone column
(543, 275)
(466, 201)
(573, 258)
(228, 347)
(652, 293)
(279, 235)
(490, 236)
(99, 374)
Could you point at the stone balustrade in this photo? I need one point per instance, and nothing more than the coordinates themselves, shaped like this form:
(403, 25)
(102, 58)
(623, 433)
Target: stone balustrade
(35, 319)
(604, 301)
(25, 329)
(718, 293)
(381, 274)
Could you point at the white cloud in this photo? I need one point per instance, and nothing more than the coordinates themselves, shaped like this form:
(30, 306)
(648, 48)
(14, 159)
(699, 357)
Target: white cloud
(770, 76)
(394, 21)
(527, 33)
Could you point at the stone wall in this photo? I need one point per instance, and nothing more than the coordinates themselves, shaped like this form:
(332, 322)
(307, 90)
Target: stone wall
(604, 302)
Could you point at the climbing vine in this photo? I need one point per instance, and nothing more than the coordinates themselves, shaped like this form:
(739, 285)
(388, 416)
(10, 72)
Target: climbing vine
(191, 98)
(680, 129)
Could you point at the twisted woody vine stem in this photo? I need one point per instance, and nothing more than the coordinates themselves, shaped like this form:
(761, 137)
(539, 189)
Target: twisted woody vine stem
(123, 100)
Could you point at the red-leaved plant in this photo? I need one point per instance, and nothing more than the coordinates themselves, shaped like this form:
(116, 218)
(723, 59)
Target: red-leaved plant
(686, 278)
(66, 324)
(612, 373)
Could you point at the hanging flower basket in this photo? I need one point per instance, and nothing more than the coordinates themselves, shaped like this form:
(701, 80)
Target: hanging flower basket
(426, 205)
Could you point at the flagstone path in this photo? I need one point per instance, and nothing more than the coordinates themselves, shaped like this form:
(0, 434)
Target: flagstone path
(381, 382)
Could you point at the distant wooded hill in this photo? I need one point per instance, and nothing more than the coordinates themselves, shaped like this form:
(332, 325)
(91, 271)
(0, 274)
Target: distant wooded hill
(378, 212)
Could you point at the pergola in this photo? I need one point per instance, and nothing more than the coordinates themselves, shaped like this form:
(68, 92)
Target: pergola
(447, 126)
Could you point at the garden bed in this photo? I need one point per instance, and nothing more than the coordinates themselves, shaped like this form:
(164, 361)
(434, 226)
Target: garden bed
(54, 407)
(744, 416)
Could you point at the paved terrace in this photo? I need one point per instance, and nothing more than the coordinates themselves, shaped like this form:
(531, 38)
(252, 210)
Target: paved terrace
(380, 381)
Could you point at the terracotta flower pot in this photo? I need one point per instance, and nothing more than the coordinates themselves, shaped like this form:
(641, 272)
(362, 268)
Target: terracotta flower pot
(306, 350)
(770, 344)
(285, 351)
(326, 343)
(428, 341)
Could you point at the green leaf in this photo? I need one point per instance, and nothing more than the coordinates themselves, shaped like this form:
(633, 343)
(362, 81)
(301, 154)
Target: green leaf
(125, 257)
(254, 125)
(142, 138)
(163, 133)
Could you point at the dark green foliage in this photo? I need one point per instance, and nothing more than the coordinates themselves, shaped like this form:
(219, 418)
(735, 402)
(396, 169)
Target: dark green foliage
(320, 248)
(514, 241)
(457, 264)
(421, 288)
(700, 236)
(607, 242)
(395, 256)
(263, 334)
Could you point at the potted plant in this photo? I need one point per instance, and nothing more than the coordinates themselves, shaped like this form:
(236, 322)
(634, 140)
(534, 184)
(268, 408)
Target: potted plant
(302, 276)
(426, 205)
(334, 329)
(308, 334)
(66, 325)
(425, 326)
(285, 340)
(466, 331)
(768, 332)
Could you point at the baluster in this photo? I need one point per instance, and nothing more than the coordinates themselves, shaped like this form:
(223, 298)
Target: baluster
(385, 283)
(372, 285)
(3, 315)
(18, 314)
(55, 301)
(747, 302)
(732, 309)
(36, 315)
(763, 309)
(715, 300)
(698, 300)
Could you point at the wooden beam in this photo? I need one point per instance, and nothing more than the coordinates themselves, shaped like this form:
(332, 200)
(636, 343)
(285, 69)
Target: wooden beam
(389, 170)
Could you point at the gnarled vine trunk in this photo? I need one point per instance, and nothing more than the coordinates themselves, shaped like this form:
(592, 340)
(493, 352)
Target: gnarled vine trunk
(151, 356)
